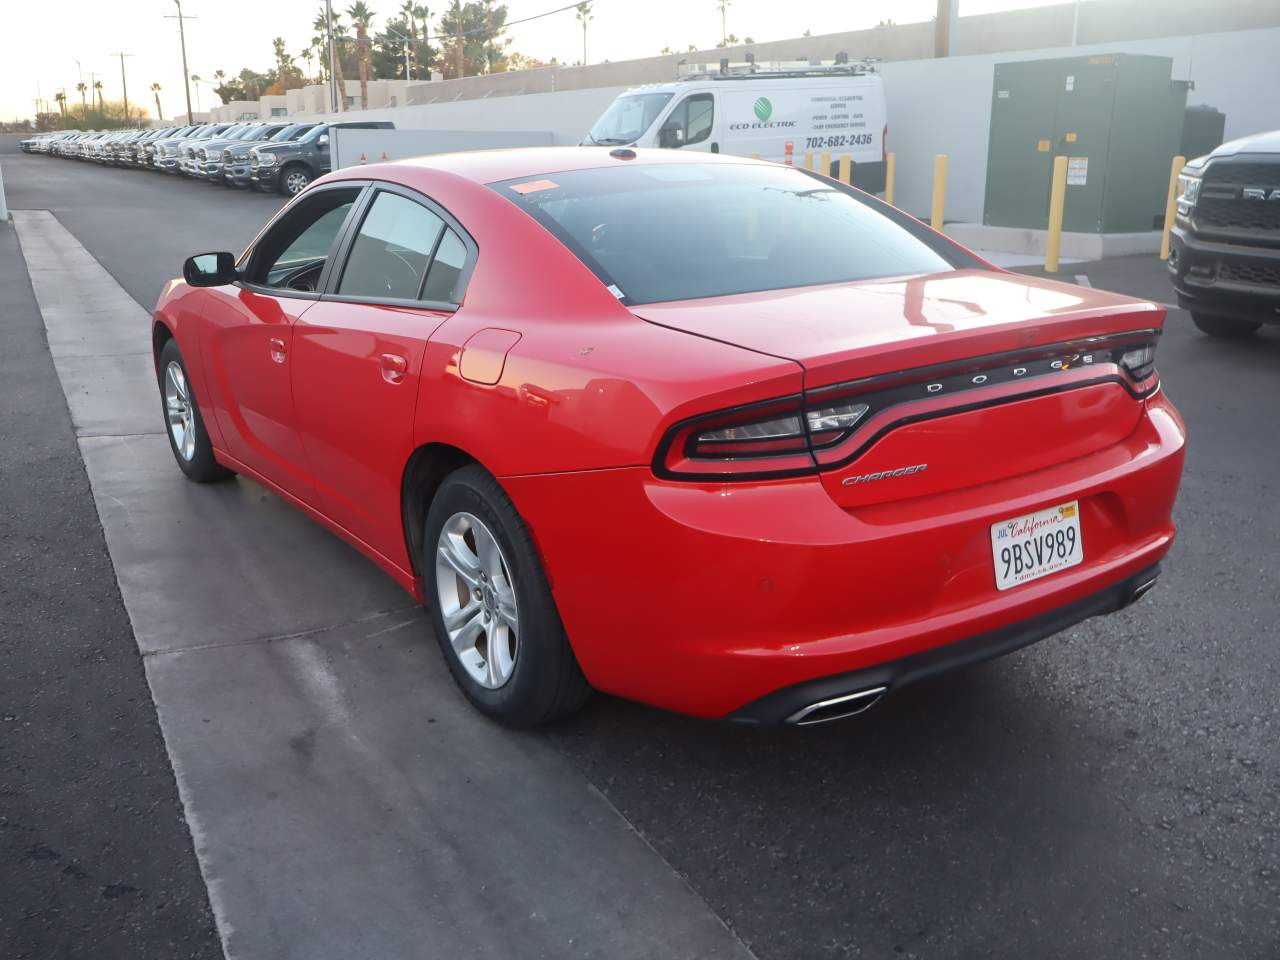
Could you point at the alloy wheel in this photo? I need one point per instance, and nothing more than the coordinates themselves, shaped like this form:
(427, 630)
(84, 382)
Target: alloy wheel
(296, 182)
(181, 413)
(477, 600)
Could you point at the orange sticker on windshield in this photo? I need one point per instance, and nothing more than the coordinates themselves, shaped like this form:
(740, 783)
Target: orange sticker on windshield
(533, 186)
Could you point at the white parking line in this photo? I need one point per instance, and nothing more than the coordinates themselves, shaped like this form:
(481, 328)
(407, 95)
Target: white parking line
(343, 798)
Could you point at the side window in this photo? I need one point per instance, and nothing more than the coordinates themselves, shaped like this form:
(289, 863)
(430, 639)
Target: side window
(390, 253)
(443, 279)
(691, 121)
(292, 255)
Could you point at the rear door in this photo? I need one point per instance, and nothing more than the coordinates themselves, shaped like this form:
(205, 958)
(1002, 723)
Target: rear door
(248, 339)
(357, 357)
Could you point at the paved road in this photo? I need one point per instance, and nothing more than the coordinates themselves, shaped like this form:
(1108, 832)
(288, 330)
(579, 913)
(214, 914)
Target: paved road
(1113, 791)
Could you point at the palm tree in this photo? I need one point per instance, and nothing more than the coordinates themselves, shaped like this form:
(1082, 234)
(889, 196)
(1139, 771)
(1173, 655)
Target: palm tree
(97, 89)
(584, 14)
(82, 87)
(307, 54)
(283, 61)
(61, 98)
(197, 80)
(155, 92)
(423, 14)
(321, 24)
(362, 17)
(409, 10)
(724, 32)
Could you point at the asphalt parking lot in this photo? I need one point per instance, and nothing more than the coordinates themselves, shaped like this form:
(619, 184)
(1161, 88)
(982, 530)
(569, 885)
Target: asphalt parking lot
(1114, 791)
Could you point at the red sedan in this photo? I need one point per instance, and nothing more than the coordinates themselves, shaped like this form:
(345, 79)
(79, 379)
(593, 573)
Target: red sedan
(714, 434)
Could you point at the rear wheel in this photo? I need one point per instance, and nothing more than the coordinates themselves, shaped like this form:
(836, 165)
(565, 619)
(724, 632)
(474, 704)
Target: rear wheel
(294, 179)
(1230, 327)
(188, 438)
(492, 609)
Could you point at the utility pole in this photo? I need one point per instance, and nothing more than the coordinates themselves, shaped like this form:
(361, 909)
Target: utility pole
(943, 27)
(333, 77)
(182, 35)
(124, 86)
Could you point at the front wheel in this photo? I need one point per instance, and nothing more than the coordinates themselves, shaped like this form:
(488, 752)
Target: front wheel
(188, 438)
(294, 180)
(1229, 327)
(491, 606)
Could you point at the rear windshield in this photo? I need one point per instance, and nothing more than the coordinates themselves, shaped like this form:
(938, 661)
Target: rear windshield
(686, 231)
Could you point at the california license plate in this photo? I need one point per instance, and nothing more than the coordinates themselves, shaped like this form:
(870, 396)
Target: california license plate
(1036, 545)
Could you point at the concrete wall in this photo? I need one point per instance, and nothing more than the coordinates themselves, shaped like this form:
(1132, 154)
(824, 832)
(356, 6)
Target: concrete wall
(944, 106)
(350, 147)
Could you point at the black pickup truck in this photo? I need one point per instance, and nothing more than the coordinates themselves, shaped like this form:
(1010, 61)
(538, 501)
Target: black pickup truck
(1225, 247)
(289, 167)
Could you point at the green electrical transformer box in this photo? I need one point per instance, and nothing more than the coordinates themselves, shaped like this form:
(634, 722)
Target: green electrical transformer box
(1117, 118)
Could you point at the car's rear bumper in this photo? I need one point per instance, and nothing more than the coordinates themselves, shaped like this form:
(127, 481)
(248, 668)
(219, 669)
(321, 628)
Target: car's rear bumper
(716, 599)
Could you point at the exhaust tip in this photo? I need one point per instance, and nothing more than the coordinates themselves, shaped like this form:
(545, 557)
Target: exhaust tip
(1141, 590)
(837, 708)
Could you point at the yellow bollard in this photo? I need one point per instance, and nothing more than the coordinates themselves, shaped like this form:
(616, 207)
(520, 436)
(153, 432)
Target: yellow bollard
(1171, 205)
(846, 169)
(1057, 198)
(939, 190)
(808, 159)
(825, 165)
(890, 171)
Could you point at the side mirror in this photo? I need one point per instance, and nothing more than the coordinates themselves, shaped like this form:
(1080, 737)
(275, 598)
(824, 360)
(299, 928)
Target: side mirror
(322, 140)
(209, 269)
(671, 135)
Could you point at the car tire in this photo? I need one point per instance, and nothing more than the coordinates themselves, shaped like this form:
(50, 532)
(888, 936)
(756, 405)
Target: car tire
(294, 178)
(184, 426)
(1227, 327)
(478, 555)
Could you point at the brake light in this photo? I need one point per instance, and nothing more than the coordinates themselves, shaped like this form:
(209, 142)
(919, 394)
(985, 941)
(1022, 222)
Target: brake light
(823, 429)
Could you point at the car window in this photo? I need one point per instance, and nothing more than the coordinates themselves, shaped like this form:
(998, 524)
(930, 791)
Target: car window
(292, 254)
(391, 249)
(693, 115)
(444, 278)
(758, 227)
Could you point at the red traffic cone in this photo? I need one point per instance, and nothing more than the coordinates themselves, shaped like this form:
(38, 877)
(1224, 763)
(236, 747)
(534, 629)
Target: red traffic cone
(362, 159)
(384, 155)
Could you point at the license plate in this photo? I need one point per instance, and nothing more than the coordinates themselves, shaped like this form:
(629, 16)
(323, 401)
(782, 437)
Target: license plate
(1036, 545)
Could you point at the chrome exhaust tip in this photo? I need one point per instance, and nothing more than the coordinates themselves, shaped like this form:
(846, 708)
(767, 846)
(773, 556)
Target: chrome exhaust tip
(837, 708)
(1141, 590)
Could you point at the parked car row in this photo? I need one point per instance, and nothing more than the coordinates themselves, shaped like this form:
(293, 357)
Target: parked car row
(272, 155)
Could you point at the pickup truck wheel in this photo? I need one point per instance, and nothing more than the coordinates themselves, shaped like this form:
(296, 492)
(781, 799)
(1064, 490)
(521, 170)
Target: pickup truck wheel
(294, 179)
(1228, 327)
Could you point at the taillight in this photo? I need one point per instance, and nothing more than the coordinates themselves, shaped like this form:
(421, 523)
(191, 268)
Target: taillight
(740, 443)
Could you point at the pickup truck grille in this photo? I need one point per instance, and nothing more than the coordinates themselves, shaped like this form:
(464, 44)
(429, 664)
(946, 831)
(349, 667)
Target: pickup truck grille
(1222, 207)
(1250, 273)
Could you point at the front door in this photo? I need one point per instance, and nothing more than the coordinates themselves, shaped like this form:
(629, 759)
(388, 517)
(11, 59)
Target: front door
(357, 359)
(249, 338)
(690, 124)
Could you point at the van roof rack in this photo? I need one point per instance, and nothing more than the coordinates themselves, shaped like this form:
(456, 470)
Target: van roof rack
(771, 69)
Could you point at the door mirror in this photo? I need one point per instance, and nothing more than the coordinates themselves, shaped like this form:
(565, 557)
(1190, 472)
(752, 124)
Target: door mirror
(671, 135)
(209, 269)
(322, 140)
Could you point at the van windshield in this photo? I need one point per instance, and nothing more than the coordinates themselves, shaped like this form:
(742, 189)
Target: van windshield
(682, 231)
(627, 119)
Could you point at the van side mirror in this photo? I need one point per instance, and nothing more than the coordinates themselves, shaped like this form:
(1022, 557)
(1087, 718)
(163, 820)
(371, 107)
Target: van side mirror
(322, 140)
(209, 269)
(671, 135)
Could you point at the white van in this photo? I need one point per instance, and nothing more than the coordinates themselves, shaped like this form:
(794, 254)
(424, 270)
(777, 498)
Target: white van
(777, 111)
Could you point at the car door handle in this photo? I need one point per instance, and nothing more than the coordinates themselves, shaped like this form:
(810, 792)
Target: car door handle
(393, 367)
(277, 348)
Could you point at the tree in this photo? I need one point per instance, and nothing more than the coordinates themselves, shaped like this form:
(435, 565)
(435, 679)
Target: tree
(583, 13)
(97, 90)
(155, 92)
(82, 87)
(724, 30)
(61, 99)
(339, 34)
(362, 17)
(477, 44)
(284, 63)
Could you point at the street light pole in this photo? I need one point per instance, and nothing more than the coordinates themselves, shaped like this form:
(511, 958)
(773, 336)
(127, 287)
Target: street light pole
(182, 35)
(333, 82)
(124, 86)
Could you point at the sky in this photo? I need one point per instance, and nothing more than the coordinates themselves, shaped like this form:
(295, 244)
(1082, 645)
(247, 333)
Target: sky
(39, 45)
